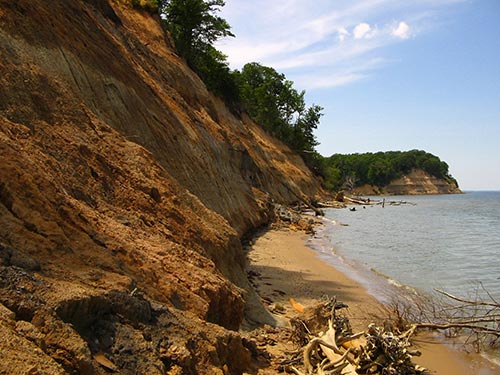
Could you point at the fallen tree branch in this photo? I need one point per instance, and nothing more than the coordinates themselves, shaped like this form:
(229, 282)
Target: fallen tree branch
(473, 327)
(471, 303)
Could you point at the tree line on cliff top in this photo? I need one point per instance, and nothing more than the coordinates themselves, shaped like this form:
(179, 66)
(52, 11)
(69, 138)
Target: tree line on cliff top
(272, 101)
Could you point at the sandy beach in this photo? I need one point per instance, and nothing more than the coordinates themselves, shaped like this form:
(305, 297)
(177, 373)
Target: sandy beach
(287, 268)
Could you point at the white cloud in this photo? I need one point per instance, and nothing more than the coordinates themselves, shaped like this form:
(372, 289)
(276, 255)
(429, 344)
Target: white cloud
(402, 31)
(315, 44)
(343, 34)
(363, 30)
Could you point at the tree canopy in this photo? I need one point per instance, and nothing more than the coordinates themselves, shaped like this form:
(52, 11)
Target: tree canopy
(272, 101)
(195, 26)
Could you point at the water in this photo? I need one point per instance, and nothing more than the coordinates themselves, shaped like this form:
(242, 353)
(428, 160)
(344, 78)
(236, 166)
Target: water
(449, 242)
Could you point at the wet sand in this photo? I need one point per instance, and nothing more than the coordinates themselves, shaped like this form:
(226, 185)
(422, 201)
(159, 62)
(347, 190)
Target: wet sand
(287, 268)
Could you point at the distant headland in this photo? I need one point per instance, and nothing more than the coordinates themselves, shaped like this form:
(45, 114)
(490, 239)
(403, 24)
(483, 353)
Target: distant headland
(392, 172)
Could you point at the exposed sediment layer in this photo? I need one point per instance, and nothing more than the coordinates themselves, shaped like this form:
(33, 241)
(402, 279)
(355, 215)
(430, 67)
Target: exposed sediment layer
(125, 188)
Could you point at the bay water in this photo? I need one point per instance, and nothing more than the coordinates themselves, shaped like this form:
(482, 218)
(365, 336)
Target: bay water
(420, 243)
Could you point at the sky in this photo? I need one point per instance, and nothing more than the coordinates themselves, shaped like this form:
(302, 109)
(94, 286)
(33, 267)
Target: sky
(390, 75)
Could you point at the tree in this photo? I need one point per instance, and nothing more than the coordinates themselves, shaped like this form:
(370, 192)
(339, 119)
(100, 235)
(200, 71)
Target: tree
(380, 173)
(149, 5)
(194, 26)
(269, 98)
(272, 101)
(307, 122)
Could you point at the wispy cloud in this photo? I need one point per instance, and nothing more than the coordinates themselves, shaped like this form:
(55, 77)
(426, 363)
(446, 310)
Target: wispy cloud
(345, 74)
(318, 40)
(402, 31)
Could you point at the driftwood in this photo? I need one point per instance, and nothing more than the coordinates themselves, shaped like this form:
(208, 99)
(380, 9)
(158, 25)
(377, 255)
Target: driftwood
(340, 352)
(330, 204)
(302, 199)
(356, 201)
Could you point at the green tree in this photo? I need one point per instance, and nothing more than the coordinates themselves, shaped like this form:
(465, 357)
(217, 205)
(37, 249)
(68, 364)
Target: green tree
(380, 173)
(332, 177)
(194, 25)
(269, 98)
(149, 5)
(272, 101)
(307, 122)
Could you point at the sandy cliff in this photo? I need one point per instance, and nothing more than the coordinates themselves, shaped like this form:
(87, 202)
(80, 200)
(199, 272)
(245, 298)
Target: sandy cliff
(415, 183)
(125, 188)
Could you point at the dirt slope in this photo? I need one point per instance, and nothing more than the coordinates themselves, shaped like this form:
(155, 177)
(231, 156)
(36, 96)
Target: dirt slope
(125, 188)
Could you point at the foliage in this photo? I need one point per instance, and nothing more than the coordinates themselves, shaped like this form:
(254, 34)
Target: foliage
(270, 99)
(195, 27)
(151, 6)
(379, 169)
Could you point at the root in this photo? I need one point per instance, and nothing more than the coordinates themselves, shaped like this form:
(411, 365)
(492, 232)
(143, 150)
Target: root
(340, 352)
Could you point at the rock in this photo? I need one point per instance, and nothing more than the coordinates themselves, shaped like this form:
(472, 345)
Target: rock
(6, 314)
(155, 194)
(5, 254)
(285, 214)
(30, 332)
(21, 260)
(13, 257)
(101, 122)
(133, 307)
(104, 362)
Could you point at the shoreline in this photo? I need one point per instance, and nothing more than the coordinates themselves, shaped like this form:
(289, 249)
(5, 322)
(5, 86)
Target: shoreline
(286, 267)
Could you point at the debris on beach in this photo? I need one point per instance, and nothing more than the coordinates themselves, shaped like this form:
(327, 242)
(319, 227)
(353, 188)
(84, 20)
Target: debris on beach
(339, 351)
(294, 219)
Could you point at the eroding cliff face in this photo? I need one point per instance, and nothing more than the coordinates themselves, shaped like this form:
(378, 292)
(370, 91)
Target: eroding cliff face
(121, 175)
(418, 182)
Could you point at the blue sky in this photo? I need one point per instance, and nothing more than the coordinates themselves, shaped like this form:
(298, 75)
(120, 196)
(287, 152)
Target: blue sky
(391, 75)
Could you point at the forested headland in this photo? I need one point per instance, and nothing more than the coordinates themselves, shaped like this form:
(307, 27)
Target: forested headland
(380, 168)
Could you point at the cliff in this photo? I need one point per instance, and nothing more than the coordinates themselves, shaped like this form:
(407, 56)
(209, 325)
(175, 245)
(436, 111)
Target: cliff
(417, 182)
(125, 188)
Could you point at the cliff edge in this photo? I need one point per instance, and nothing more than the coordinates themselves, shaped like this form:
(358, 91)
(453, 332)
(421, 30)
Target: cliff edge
(125, 188)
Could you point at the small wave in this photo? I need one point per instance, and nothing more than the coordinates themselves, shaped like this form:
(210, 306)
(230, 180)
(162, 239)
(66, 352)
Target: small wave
(328, 220)
(394, 282)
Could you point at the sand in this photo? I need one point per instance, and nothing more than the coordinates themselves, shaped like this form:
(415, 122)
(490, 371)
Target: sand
(287, 268)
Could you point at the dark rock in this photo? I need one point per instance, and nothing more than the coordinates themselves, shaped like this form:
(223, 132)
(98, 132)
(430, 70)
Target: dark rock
(13, 257)
(5, 254)
(134, 308)
(107, 11)
(155, 194)
(24, 261)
